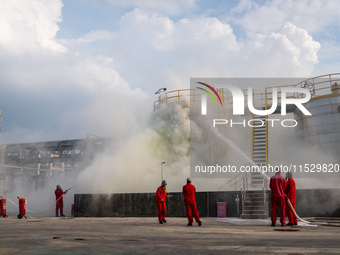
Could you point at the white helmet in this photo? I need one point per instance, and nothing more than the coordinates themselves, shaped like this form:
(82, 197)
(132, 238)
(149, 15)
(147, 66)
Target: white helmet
(289, 175)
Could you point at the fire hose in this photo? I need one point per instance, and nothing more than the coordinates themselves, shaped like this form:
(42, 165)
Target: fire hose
(291, 207)
(29, 211)
(297, 216)
(72, 186)
(36, 212)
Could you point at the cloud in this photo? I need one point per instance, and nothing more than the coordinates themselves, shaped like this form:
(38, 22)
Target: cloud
(268, 16)
(287, 52)
(161, 51)
(49, 92)
(27, 25)
(161, 6)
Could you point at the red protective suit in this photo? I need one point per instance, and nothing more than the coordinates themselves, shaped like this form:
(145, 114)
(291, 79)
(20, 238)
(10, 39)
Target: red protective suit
(59, 202)
(278, 186)
(291, 195)
(161, 202)
(189, 192)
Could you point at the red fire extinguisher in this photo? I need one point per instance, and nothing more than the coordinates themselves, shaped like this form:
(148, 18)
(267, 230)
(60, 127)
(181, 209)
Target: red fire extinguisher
(3, 207)
(22, 208)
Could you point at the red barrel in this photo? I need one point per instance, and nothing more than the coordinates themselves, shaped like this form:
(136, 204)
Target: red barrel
(3, 207)
(22, 208)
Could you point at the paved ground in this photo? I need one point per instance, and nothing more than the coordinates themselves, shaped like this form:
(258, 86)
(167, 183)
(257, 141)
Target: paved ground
(145, 236)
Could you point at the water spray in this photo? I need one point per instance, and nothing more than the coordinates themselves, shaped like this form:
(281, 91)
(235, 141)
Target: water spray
(72, 186)
(162, 163)
(238, 150)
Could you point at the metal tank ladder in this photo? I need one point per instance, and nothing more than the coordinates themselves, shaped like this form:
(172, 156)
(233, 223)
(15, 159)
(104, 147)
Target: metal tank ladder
(254, 204)
(259, 147)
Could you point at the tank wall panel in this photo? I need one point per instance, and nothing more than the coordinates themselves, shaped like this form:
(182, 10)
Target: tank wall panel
(323, 127)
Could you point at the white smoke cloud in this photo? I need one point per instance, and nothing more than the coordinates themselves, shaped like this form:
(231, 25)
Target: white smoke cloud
(135, 166)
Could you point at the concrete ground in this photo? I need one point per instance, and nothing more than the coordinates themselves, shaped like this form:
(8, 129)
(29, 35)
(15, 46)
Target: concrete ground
(145, 236)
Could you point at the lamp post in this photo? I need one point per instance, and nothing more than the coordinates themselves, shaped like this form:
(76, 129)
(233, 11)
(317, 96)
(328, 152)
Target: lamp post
(162, 163)
(159, 92)
(237, 201)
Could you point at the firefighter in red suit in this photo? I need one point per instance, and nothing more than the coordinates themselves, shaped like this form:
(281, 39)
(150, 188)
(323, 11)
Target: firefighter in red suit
(161, 195)
(189, 192)
(59, 201)
(291, 195)
(278, 186)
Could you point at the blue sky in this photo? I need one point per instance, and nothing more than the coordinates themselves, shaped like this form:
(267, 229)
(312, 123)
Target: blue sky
(72, 67)
(79, 17)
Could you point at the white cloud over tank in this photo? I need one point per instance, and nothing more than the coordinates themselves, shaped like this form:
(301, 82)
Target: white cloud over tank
(164, 6)
(59, 93)
(30, 24)
(289, 51)
(267, 16)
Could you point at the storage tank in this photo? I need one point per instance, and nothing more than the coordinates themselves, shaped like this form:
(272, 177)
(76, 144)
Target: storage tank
(323, 127)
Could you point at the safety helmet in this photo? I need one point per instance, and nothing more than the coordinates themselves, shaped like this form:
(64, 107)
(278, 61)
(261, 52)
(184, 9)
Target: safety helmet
(188, 180)
(289, 175)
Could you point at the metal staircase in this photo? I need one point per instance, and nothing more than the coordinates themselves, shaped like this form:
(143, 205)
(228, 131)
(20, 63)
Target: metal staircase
(254, 201)
(254, 206)
(259, 147)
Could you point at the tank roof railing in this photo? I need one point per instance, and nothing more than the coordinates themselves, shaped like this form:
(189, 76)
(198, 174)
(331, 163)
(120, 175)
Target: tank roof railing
(320, 87)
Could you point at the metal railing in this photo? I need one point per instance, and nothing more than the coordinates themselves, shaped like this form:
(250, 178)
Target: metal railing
(234, 183)
(264, 189)
(320, 86)
(244, 188)
(175, 96)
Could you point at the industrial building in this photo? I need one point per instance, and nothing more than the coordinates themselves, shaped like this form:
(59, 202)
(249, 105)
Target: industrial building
(29, 166)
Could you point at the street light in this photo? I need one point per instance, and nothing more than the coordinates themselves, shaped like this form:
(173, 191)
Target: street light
(160, 90)
(162, 163)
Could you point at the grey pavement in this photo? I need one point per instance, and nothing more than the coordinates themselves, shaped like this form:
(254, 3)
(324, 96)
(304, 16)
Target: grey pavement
(101, 236)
